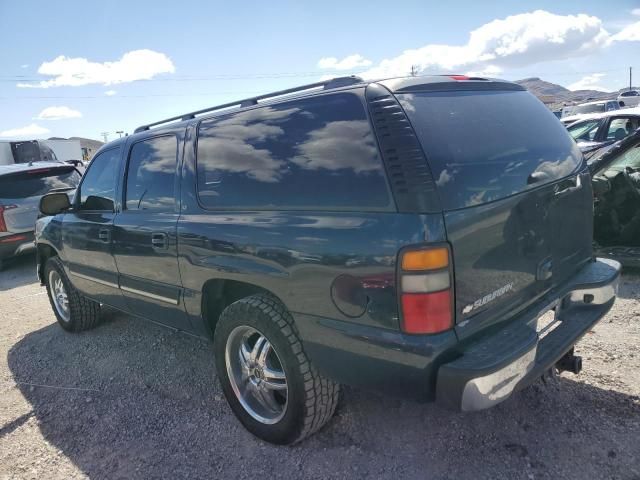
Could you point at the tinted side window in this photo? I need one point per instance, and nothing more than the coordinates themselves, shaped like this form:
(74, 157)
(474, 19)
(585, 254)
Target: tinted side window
(151, 174)
(97, 191)
(314, 153)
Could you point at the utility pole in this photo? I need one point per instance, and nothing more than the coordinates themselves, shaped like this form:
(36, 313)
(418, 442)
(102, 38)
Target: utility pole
(105, 135)
(414, 71)
(119, 132)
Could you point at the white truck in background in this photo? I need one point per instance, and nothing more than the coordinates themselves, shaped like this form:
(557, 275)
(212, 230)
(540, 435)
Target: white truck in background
(65, 150)
(25, 151)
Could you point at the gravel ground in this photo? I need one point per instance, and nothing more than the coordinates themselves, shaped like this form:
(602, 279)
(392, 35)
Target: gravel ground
(134, 400)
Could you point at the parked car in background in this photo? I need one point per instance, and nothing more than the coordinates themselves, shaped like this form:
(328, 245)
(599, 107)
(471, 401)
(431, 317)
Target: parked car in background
(403, 235)
(596, 131)
(616, 187)
(578, 112)
(25, 151)
(630, 98)
(21, 187)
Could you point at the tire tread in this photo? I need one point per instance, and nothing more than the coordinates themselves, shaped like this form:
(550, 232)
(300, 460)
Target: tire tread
(322, 394)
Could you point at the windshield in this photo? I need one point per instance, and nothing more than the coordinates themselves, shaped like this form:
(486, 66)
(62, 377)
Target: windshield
(589, 108)
(35, 183)
(584, 131)
(483, 146)
(630, 158)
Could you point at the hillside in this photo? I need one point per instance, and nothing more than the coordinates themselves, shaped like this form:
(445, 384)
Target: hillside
(556, 96)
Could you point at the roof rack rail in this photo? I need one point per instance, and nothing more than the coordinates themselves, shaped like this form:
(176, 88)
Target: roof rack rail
(247, 102)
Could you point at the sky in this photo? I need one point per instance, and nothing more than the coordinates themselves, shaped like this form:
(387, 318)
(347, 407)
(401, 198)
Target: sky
(78, 68)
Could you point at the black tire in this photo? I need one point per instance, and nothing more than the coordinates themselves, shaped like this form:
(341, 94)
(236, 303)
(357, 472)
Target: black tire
(311, 398)
(84, 313)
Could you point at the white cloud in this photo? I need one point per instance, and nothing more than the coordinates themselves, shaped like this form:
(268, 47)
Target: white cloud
(488, 71)
(636, 11)
(590, 82)
(58, 113)
(347, 63)
(32, 130)
(73, 72)
(25, 65)
(110, 93)
(630, 33)
(515, 41)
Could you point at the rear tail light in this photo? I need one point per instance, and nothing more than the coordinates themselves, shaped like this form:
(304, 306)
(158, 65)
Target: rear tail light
(3, 208)
(13, 239)
(425, 284)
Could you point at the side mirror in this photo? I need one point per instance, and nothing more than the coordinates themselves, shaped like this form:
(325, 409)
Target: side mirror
(54, 203)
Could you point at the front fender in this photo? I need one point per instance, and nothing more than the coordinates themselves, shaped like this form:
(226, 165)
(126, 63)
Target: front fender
(48, 242)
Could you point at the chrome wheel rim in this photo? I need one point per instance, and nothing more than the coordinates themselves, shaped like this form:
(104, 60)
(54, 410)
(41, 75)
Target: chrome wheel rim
(256, 375)
(59, 295)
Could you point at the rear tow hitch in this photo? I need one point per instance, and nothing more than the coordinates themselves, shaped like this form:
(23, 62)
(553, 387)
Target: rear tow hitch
(570, 363)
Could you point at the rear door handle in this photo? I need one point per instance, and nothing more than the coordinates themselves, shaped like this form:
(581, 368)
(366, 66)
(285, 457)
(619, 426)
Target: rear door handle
(104, 234)
(159, 240)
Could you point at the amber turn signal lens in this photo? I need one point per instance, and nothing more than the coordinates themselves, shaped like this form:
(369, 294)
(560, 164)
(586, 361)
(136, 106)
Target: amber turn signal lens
(431, 259)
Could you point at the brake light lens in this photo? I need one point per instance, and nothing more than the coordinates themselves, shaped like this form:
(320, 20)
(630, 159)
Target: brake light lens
(459, 77)
(3, 223)
(13, 239)
(427, 312)
(425, 284)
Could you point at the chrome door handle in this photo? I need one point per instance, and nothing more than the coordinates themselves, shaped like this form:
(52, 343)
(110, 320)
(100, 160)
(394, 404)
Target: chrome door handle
(104, 234)
(159, 240)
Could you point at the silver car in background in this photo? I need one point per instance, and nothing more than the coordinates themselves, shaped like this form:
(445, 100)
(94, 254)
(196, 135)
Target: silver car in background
(630, 98)
(21, 187)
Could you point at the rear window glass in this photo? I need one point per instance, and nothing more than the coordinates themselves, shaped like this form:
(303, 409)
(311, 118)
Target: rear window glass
(25, 152)
(483, 146)
(37, 182)
(314, 153)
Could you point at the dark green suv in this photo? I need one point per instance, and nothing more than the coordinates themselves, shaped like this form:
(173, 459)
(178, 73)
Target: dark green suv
(403, 235)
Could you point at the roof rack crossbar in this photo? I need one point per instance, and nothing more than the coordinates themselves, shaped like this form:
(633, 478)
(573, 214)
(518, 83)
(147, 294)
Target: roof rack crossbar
(326, 85)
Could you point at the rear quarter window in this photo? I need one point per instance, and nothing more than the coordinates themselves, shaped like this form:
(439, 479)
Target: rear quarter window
(316, 153)
(484, 146)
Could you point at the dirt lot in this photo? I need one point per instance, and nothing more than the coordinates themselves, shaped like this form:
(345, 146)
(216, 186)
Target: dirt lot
(135, 400)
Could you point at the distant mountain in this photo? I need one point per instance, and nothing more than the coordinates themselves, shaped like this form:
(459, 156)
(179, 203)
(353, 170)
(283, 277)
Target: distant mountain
(556, 96)
(540, 87)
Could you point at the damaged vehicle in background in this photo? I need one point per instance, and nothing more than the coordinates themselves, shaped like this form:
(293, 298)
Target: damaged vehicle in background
(600, 130)
(616, 189)
(580, 112)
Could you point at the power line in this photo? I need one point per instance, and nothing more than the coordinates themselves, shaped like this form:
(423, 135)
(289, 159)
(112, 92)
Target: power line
(115, 97)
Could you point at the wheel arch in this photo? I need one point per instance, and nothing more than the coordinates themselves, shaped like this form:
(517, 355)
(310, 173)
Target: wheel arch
(43, 253)
(218, 294)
